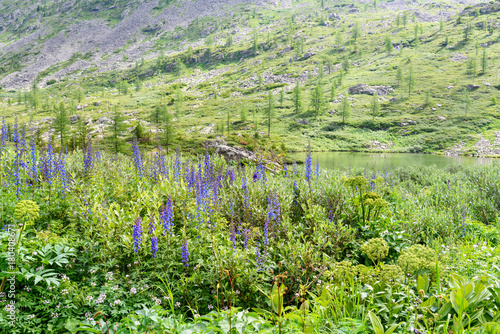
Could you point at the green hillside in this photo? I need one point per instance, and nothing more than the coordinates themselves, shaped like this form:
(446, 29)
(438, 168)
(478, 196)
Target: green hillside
(441, 60)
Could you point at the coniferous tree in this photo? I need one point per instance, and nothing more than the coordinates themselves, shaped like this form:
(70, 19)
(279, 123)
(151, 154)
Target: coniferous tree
(399, 76)
(168, 128)
(427, 98)
(333, 92)
(388, 44)
(229, 41)
(356, 32)
(317, 101)
(467, 32)
(398, 20)
(155, 114)
(375, 108)
(341, 78)
(411, 81)
(60, 124)
(269, 112)
(255, 41)
(472, 68)
(228, 121)
(484, 61)
(282, 97)
(179, 101)
(405, 19)
(297, 98)
(345, 109)
(243, 113)
(441, 24)
(338, 41)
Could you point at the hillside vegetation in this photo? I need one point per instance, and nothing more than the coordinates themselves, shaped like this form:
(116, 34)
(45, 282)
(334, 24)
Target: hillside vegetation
(286, 69)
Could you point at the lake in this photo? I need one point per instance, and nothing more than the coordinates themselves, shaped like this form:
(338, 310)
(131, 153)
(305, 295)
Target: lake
(388, 161)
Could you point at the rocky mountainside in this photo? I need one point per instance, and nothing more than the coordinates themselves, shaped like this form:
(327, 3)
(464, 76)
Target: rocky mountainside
(364, 75)
(69, 36)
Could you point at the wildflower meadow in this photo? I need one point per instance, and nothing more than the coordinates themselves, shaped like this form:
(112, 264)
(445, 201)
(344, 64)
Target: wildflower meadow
(94, 242)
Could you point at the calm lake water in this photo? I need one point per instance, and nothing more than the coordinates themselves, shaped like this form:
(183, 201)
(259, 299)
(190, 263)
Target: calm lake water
(388, 161)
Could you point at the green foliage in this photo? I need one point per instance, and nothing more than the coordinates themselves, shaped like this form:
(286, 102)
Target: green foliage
(418, 258)
(375, 249)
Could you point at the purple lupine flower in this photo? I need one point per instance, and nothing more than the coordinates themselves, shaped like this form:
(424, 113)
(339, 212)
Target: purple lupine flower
(22, 142)
(98, 154)
(246, 236)
(162, 167)
(230, 173)
(33, 162)
(48, 164)
(262, 173)
(62, 174)
(309, 165)
(266, 233)
(316, 172)
(3, 137)
(177, 165)
(154, 245)
(151, 227)
(139, 166)
(259, 260)
(17, 161)
(285, 169)
(255, 177)
(137, 234)
(88, 159)
(167, 216)
(185, 253)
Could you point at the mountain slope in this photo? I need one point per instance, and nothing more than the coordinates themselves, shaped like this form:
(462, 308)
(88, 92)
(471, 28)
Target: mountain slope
(96, 33)
(217, 74)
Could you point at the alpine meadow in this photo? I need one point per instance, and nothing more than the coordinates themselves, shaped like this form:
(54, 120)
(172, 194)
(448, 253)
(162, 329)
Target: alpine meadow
(158, 168)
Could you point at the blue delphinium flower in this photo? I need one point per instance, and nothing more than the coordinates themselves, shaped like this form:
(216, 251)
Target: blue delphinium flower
(316, 172)
(285, 169)
(255, 177)
(3, 137)
(185, 253)
(88, 159)
(151, 227)
(230, 174)
(139, 167)
(33, 162)
(17, 160)
(167, 216)
(309, 165)
(259, 259)
(177, 164)
(22, 142)
(137, 234)
(62, 174)
(154, 245)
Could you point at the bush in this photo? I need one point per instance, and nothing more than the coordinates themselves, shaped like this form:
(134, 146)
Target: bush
(418, 258)
(51, 82)
(376, 249)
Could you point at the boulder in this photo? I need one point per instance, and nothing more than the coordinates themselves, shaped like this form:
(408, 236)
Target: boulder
(104, 120)
(472, 87)
(308, 55)
(334, 16)
(370, 90)
(73, 119)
